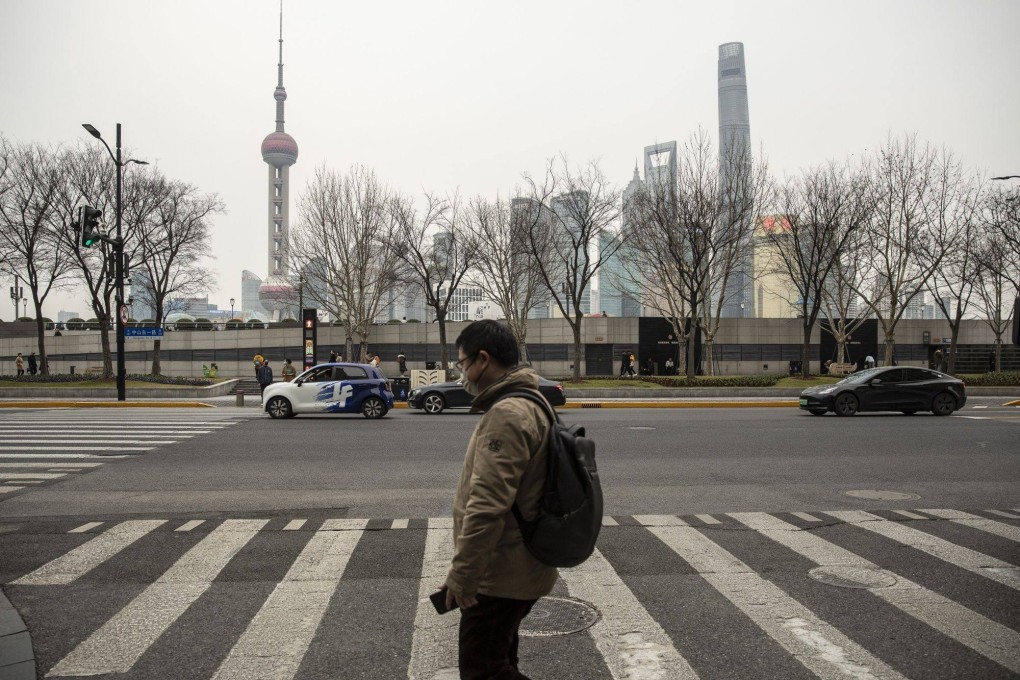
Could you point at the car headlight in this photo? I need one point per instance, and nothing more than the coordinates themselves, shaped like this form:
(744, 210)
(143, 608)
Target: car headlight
(826, 390)
(413, 393)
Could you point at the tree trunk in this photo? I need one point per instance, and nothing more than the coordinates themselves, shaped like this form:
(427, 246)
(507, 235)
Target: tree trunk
(444, 355)
(708, 348)
(104, 340)
(44, 368)
(576, 327)
(805, 351)
(156, 367)
(692, 341)
(890, 346)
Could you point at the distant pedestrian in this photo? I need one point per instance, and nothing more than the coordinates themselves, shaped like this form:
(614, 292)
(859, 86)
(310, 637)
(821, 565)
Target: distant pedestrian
(257, 360)
(649, 366)
(991, 361)
(632, 364)
(376, 361)
(288, 370)
(332, 356)
(669, 366)
(937, 360)
(402, 364)
(869, 361)
(624, 364)
(265, 376)
(825, 367)
(19, 363)
(32, 366)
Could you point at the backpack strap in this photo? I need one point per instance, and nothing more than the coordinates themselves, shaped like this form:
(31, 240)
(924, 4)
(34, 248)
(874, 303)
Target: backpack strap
(536, 397)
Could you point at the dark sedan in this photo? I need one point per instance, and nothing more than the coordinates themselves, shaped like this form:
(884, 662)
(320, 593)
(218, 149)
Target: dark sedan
(904, 389)
(435, 398)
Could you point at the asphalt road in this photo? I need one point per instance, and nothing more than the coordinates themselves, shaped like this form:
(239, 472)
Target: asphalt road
(236, 546)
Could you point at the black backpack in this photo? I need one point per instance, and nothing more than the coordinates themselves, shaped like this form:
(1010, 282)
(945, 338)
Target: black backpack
(569, 518)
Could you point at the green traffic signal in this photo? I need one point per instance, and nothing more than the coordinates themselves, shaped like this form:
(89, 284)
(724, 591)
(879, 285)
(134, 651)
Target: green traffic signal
(91, 231)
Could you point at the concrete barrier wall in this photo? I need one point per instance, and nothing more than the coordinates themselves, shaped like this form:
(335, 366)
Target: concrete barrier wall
(420, 343)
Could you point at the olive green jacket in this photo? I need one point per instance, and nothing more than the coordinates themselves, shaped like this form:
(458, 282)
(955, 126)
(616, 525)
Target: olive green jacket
(505, 461)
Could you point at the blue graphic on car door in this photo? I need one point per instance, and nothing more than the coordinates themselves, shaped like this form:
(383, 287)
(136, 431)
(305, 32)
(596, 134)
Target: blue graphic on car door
(341, 396)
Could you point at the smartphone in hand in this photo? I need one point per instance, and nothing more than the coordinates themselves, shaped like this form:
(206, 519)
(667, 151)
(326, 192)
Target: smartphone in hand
(439, 601)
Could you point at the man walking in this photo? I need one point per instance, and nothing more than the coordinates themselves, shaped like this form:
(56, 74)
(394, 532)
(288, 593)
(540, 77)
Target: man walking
(265, 375)
(288, 370)
(493, 578)
(32, 366)
(19, 363)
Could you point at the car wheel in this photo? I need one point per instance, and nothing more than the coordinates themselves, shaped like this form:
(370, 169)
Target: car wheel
(817, 412)
(846, 405)
(433, 403)
(909, 412)
(943, 404)
(373, 408)
(278, 407)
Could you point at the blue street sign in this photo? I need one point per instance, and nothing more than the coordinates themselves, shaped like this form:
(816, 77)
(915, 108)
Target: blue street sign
(143, 332)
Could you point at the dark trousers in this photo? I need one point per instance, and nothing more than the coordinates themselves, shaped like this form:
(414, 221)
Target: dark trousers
(488, 638)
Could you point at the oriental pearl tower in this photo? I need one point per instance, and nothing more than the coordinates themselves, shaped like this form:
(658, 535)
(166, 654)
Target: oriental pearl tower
(279, 151)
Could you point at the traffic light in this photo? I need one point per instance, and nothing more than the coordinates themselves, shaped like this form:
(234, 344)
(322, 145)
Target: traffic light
(91, 231)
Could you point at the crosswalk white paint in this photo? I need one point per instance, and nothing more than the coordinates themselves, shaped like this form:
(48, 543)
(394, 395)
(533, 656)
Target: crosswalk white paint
(1002, 513)
(8, 488)
(293, 610)
(49, 456)
(110, 650)
(47, 466)
(434, 643)
(73, 565)
(631, 643)
(13, 476)
(965, 558)
(984, 636)
(987, 525)
(76, 448)
(821, 648)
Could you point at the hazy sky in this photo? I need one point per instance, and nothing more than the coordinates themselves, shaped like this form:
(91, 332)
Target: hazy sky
(468, 95)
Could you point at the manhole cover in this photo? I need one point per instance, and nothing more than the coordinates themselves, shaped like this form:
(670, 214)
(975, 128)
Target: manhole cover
(558, 616)
(875, 495)
(853, 577)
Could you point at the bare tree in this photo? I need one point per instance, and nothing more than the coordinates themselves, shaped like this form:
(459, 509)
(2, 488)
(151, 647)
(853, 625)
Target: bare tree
(998, 257)
(840, 299)
(906, 240)
(570, 215)
(435, 251)
(174, 239)
(691, 231)
(504, 270)
(345, 224)
(30, 226)
(957, 209)
(820, 212)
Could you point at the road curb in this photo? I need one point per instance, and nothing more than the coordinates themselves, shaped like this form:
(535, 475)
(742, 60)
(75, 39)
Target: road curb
(18, 660)
(104, 404)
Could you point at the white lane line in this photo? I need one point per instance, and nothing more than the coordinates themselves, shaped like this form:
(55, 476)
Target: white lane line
(660, 521)
(295, 524)
(965, 558)
(608, 521)
(399, 524)
(293, 611)
(189, 525)
(708, 519)
(98, 432)
(343, 525)
(75, 456)
(14, 476)
(984, 636)
(980, 407)
(71, 441)
(72, 565)
(823, 649)
(1000, 513)
(909, 515)
(977, 522)
(434, 643)
(84, 527)
(118, 644)
(48, 466)
(76, 448)
(7, 488)
(805, 516)
(631, 642)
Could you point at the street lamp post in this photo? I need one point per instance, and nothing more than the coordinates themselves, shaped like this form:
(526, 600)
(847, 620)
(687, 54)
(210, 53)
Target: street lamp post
(231, 309)
(118, 256)
(24, 307)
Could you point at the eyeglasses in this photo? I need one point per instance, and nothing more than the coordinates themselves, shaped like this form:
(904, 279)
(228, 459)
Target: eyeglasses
(466, 361)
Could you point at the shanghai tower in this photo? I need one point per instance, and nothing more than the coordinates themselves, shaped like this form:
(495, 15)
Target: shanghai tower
(735, 155)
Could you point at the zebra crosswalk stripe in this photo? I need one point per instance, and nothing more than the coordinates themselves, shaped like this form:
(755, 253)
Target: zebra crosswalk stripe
(987, 525)
(110, 650)
(293, 610)
(987, 637)
(434, 643)
(965, 558)
(72, 565)
(631, 642)
(823, 649)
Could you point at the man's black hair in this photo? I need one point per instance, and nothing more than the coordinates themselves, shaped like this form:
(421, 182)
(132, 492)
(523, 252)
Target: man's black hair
(493, 337)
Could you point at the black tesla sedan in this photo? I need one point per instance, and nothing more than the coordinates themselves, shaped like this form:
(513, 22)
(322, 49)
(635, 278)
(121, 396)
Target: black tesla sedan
(905, 389)
(435, 398)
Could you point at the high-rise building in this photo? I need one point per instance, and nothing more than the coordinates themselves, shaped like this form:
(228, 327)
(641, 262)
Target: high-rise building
(618, 291)
(734, 154)
(279, 151)
(250, 305)
(566, 207)
(660, 167)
